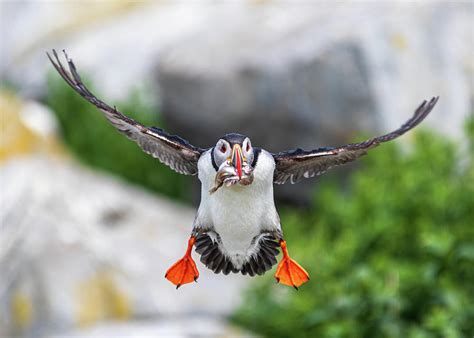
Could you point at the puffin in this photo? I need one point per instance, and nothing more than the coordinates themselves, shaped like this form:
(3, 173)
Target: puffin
(237, 227)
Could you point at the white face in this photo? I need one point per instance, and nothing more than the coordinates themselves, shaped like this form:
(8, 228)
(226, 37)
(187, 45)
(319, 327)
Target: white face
(247, 150)
(233, 161)
(223, 151)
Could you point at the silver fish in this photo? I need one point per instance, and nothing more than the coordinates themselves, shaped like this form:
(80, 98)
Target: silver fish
(247, 177)
(225, 174)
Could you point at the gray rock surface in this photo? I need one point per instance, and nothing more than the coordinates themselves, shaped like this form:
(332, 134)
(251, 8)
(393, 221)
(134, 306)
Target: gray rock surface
(180, 327)
(78, 248)
(280, 106)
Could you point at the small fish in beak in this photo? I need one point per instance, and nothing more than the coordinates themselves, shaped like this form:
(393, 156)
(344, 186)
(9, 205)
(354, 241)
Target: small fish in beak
(235, 170)
(226, 174)
(247, 177)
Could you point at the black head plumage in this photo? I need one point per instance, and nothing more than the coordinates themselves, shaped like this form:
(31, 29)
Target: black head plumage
(234, 138)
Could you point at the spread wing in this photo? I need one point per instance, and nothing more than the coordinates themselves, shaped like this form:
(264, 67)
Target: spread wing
(171, 150)
(295, 164)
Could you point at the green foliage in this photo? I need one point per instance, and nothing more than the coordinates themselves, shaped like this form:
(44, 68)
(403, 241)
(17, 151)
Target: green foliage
(392, 256)
(95, 142)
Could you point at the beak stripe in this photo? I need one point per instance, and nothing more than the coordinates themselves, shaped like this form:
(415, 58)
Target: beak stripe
(237, 159)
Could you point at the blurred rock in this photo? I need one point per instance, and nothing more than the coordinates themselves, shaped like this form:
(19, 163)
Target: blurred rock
(27, 127)
(94, 34)
(188, 326)
(78, 248)
(294, 102)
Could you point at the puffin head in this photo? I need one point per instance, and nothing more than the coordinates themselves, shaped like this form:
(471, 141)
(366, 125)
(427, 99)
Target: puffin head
(233, 154)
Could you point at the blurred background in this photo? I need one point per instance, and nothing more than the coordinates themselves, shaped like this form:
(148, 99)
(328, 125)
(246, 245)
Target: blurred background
(89, 223)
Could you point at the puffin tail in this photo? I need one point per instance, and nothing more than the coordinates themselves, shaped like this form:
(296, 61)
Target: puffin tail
(257, 264)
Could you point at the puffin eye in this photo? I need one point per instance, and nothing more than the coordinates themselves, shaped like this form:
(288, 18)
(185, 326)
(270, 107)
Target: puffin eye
(248, 147)
(223, 148)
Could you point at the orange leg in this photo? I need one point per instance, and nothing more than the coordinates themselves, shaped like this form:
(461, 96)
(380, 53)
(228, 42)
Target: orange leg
(288, 271)
(183, 271)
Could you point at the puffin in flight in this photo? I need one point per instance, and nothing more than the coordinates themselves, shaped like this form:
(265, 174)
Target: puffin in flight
(237, 228)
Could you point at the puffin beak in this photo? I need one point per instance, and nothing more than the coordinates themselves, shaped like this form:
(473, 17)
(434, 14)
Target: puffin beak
(237, 159)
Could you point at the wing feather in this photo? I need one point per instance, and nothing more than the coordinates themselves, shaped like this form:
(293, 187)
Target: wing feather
(171, 150)
(296, 164)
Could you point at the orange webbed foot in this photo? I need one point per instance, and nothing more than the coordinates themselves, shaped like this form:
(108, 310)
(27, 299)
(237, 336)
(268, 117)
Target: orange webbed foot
(183, 271)
(289, 272)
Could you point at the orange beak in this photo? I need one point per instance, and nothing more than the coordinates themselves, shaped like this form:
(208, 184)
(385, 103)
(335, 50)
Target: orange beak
(237, 159)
